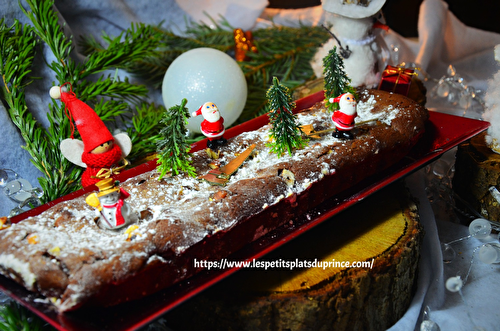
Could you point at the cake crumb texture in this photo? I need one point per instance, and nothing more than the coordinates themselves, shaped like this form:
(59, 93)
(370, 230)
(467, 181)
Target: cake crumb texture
(74, 262)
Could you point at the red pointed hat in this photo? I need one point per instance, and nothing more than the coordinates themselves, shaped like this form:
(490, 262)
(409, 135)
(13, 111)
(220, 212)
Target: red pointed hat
(337, 99)
(89, 125)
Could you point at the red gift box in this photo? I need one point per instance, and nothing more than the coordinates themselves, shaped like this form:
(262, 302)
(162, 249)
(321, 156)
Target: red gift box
(396, 80)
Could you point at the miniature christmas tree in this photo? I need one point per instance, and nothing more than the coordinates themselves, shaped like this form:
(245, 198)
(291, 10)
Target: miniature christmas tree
(285, 132)
(336, 80)
(173, 148)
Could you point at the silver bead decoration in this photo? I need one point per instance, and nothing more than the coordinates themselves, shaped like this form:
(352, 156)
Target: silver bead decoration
(4, 298)
(448, 253)
(20, 191)
(3, 177)
(394, 53)
(428, 324)
(443, 89)
(15, 211)
(465, 98)
(453, 87)
(451, 71)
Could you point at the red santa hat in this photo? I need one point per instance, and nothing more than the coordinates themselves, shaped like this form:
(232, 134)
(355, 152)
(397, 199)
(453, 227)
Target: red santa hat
(206, 105)
(337, 99)
(198, 112)
(340, 97)
(90, 126)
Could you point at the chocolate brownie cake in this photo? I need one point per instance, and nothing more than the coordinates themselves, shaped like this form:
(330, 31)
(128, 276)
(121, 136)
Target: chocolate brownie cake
(63, 255)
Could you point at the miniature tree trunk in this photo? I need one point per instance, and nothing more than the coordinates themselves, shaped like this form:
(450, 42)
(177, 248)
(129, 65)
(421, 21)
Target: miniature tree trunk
(173, 149)
(285, 131)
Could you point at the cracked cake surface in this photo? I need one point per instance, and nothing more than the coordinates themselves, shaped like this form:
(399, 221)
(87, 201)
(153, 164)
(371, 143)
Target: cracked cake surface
(63, 255)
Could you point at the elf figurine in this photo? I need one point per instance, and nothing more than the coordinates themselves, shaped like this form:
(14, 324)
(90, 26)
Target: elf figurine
(213, 124)
(102, 154)
(343, 119)
(114, 212)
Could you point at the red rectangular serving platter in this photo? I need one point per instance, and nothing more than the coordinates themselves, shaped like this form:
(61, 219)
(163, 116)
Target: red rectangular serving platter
(443, 132)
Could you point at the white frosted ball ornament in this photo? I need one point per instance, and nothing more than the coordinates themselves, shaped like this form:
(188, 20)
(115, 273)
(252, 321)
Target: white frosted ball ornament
(490, 253)
(454, 284)
(55, 92)
(206, 74)
(480, 228)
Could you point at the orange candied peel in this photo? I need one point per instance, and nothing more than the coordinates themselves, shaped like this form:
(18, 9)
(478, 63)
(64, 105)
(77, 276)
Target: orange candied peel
(33, 239)
(4, 223)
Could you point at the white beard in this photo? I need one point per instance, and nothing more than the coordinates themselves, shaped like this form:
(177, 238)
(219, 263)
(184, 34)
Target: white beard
(212, 117)
(348, 108)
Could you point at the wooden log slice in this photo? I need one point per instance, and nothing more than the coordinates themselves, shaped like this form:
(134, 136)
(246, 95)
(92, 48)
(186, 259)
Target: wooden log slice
(383, 228)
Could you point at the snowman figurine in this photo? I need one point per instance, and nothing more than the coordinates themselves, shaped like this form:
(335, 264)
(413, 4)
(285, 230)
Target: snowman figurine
(353, 25)
(114, 211)
(343, 119)
(212, 126)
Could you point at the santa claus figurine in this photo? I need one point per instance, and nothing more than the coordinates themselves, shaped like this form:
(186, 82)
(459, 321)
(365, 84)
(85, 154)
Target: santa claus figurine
(343, 119)
(213, 124)
(114, 212)
(102, 154)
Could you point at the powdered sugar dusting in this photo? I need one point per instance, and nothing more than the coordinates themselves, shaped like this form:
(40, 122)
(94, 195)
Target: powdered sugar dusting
(69, 238)
(21, 268)
(365, 113)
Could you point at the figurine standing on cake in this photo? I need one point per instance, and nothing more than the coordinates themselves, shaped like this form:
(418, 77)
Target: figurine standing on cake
(212, 126)
(115, 213)
(102, 154)
(343, 119)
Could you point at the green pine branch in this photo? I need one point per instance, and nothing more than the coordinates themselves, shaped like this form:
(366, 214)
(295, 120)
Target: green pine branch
(135, 43)
(173, 149)
(14, 317)
(109, 97)
(283, 52)
(17, 51)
